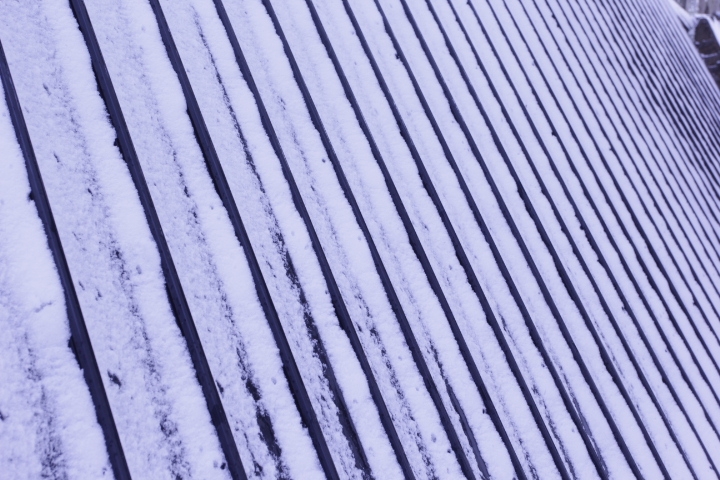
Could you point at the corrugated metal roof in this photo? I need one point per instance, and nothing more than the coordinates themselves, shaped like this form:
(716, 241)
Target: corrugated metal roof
(357, 239)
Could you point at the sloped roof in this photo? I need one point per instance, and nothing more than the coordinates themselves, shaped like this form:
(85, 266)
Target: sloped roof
(357, 239)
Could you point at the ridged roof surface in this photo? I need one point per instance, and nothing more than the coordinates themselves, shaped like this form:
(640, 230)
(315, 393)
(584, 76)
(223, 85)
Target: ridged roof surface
(357, 239)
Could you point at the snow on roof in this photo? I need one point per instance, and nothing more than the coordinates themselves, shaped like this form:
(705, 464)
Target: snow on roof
(344, 239)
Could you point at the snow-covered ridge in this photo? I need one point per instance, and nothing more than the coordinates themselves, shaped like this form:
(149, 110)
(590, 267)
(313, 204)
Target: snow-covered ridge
(357, 239)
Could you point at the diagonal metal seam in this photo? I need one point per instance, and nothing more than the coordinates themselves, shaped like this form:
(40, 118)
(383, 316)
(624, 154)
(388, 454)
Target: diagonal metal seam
(80, 337)
(176, 295)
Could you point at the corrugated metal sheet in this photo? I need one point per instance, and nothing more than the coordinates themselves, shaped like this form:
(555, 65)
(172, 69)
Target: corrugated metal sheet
(357, 239)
